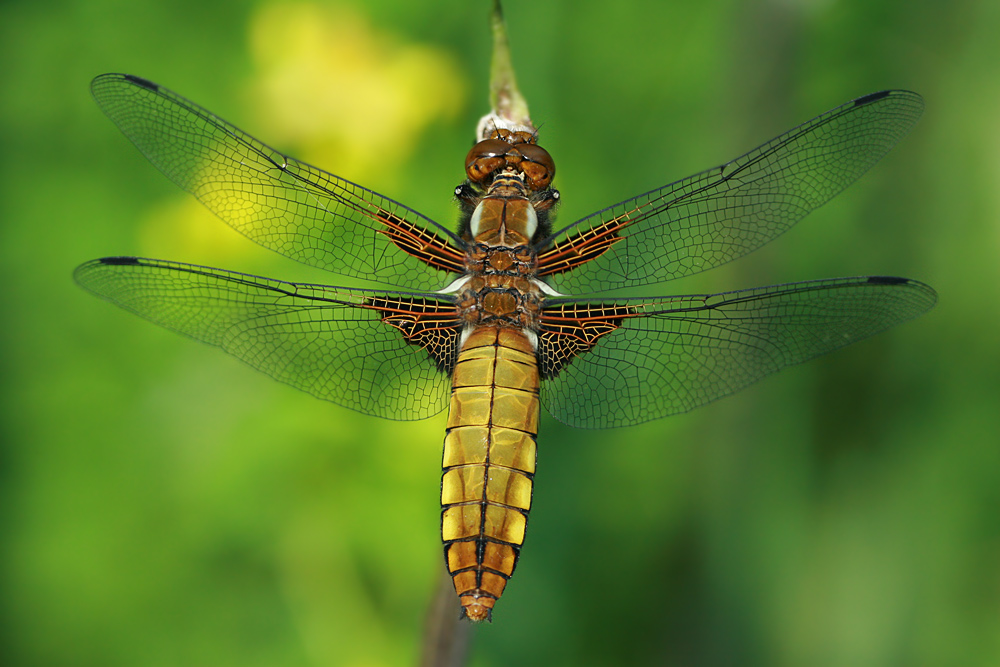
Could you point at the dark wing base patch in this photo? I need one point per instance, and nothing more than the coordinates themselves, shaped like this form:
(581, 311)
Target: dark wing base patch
(568, 330)
(424, 323)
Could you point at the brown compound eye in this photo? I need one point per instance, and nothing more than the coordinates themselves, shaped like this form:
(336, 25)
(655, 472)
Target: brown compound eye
(485, 157)
(481, 168)
(516, 150)
(537, 165)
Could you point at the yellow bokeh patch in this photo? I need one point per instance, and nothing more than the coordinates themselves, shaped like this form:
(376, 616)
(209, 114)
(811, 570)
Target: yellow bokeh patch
(180, 227)
(349, 97)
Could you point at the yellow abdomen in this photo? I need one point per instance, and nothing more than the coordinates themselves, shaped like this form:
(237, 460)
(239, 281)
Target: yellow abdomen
(489, 461)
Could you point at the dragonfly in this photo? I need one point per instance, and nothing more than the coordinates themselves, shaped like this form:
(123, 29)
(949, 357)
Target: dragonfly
(508, 312)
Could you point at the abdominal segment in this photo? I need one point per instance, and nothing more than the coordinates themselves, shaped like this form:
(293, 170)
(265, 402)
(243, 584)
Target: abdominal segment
(489, 462)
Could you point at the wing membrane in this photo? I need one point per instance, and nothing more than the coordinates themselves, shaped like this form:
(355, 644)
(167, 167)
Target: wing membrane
(721, 214)
(650, 358)
(288, 206)
(346, 346)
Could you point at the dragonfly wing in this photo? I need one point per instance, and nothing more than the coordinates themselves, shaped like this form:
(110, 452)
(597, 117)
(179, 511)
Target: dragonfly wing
(288, 206)
(384, 354)
(633, 360)
(721, 214)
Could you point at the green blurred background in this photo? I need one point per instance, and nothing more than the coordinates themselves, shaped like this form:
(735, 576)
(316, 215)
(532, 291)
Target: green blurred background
(162, 504)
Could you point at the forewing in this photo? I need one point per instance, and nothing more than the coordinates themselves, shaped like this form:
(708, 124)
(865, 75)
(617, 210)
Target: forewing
(633, 360)
(290, 207)
(384, 354)
(723, 213)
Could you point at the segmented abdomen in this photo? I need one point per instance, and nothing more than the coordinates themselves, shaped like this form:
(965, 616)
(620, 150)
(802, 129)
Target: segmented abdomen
(489, 462)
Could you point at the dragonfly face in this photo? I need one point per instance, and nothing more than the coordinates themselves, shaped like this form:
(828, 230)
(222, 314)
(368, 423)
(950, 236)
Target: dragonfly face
(485, 326)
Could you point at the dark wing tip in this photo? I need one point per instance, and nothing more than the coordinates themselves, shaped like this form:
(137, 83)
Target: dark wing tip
(83, 274)
(920, 293)
(103, 79)
(119, 261)
(872, 97)
(887, 280)
(139, 81)
(914, 98)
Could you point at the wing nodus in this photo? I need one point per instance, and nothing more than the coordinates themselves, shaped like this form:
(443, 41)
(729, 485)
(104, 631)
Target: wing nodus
(489, 463)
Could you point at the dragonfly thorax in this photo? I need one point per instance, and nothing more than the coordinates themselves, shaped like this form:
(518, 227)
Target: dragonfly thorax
(482, 258)
(501, 265)
(497, 300)
(504, 217)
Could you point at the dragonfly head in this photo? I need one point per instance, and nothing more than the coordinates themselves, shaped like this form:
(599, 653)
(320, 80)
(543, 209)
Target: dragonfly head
(506, 149)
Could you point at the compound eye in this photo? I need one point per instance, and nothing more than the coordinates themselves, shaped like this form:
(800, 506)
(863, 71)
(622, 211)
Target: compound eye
(537, 165)
(485, 157)
(487, 148)
(480, 169)
(535, 175)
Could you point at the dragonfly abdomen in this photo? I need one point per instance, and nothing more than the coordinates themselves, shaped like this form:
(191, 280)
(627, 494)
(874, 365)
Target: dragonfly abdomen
(489, 462)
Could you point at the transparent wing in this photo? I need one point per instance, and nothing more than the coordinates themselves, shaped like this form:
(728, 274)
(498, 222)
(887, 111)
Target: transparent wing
(723, 213)
(651, 358)
(290, 207)
(337, 344)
